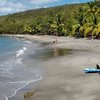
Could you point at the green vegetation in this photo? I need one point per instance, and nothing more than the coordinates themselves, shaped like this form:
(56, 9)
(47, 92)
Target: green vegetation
(79, 20)
(88, 21)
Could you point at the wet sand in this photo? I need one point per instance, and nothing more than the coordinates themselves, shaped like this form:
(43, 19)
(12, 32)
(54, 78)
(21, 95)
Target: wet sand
(64, 77)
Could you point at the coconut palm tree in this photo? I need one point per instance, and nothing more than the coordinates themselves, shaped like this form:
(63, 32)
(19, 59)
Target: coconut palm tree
(61, 30)
(77, 28)
(27, 28)
(88, 20)
(96, 31)
(57, 26)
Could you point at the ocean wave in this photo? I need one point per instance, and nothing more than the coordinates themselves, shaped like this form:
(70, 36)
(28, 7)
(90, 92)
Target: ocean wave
(20, 52)
(26, 83)
(6, 67)
(14, 75)
(3, 97)
(27, 42)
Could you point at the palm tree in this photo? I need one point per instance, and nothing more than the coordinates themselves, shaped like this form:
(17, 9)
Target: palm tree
(88, 23)
(53, 27)
(27, 28)
(77, 28)
(91, 6)
(56, 26)
(61, 30)
(96, 31)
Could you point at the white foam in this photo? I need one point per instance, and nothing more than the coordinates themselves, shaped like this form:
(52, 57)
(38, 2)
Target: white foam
(24, 48)
(3, 97)
(28, 42)
(27, 83)
(24, 83)
(8, 66)
(20, 52)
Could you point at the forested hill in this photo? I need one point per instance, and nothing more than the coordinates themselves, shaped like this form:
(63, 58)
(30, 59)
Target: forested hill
(81, 20)
(14, 23)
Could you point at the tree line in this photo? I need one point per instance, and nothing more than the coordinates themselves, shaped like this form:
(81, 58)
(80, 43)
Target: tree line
(78, 20)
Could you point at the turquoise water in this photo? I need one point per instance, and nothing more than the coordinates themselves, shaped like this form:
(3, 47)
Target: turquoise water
(8, 46)
(14, 74)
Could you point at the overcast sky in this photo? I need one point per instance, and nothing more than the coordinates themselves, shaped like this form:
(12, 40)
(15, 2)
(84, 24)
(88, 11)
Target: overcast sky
(12, 6)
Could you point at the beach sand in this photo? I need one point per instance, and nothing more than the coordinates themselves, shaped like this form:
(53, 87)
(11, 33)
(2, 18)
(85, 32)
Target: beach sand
(64, 77)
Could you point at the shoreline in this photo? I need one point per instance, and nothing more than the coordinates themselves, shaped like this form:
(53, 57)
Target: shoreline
(67, 42)
(62, 82)
(19, 89)
(41, 38)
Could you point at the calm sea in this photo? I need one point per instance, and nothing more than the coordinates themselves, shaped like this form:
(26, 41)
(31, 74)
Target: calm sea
(14, 74)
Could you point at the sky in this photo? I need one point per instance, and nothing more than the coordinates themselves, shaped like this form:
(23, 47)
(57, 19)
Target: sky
(13, 6)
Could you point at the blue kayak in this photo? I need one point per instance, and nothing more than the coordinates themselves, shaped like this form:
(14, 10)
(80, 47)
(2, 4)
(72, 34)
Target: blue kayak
(91, 70)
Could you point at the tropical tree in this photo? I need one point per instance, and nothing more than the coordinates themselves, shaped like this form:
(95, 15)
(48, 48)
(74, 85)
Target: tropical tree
(57, 26)
(53, 27)
(27, 29)
(77, 28)
(96, 31)
(88, 20)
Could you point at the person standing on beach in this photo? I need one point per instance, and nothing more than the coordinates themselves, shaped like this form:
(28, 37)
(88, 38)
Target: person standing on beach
(97, 66)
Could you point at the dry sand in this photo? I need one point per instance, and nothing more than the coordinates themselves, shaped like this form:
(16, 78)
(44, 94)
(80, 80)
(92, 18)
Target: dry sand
(64, 78)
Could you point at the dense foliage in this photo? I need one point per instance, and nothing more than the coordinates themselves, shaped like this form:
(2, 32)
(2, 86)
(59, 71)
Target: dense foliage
(88, 21)
(79, 20)
(34, 21)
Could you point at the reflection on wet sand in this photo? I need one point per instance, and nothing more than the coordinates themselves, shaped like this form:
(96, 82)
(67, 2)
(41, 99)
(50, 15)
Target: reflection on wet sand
(60, 52)
(49, 53)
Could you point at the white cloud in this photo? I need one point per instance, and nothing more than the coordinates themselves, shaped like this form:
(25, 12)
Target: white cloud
(12, 6)
(5, 9)
(42, 1)
(75, 1)
(2, 2)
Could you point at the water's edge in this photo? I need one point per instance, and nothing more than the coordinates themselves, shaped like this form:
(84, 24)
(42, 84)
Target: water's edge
(48, 52)
(8, 98)
(26, 83)
(15, 62)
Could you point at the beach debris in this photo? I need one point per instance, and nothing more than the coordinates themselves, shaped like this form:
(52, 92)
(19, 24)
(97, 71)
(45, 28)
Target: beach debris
(28, 94)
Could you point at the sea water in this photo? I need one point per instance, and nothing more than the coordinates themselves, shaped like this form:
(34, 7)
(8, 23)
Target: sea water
(14, 74)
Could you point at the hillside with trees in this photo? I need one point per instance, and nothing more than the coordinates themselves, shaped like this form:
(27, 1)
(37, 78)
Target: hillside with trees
(78, 20)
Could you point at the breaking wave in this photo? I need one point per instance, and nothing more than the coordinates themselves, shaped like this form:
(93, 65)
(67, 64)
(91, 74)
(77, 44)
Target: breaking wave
(21, 51)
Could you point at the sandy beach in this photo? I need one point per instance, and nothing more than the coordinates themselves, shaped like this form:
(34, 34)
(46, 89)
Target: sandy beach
(64, 77)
